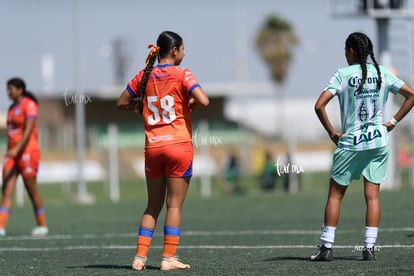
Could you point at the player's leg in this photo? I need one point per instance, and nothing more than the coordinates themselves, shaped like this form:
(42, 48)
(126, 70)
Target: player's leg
(156, 189)
(374, 173)
(333, 204)
(10, 174)
(371, 192)
(332, 212)
(28, 165)
(176, 192)
(156, 196)
(179, 170)
(31, 186)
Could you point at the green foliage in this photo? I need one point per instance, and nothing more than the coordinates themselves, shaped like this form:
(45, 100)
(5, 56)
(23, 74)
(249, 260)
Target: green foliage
(275, 41)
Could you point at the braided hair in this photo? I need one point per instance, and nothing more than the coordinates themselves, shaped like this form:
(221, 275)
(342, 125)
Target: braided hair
(363, 47)
(166, 41)
(147, 71)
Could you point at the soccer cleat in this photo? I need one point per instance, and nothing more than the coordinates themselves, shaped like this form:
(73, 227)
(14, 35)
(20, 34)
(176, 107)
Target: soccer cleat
(40, 231)
(172, 263)
(139, 263)
(323, 255)
(368, 254)
(2, 232)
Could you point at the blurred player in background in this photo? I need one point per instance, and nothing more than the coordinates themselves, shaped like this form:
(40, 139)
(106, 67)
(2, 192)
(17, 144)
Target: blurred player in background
(22, 155)
(164, 95)
(362, 145)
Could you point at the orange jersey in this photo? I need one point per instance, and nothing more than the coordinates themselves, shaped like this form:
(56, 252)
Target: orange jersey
(16, 119)
(166, 111)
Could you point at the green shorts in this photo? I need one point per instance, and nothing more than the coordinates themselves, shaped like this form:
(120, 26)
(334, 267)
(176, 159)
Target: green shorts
(348, 165)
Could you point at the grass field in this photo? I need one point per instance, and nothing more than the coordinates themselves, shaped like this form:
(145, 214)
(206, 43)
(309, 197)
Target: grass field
(255, 234)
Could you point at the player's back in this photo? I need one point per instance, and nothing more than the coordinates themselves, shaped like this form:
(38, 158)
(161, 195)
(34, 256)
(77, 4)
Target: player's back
(166, 111)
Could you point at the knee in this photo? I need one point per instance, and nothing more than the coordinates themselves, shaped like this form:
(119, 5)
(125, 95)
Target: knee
(7, 191)
(153, 210)
(370, 197)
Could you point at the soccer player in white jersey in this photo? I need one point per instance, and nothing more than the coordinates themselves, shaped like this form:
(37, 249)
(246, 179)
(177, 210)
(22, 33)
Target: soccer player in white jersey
(362, 89)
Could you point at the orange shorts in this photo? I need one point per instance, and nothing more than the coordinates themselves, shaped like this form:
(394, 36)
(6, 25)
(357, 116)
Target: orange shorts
(26, 163)
(175, 160)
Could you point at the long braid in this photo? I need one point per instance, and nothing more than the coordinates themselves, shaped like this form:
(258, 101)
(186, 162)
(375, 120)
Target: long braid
(371, 49)
(363, 55)
(147, 71)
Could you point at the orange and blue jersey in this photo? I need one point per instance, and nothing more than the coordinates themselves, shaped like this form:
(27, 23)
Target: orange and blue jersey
(166, 111)
(18, 113)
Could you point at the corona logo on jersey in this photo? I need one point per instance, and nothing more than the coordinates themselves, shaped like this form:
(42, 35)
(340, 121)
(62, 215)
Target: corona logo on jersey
(356, 81)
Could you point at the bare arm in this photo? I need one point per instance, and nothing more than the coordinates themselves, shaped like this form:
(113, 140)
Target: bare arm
(408, 93)
(199, 97)
(320, 110)
(28, 128)
(126, 102)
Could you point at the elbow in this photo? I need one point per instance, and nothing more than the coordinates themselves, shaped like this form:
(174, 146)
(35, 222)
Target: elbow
(204, 103)
(122, 105)
(318, 108)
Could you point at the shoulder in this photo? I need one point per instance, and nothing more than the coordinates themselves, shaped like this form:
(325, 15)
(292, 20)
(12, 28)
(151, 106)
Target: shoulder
(182, 70)
(351, 69)
(27, 102)
(139, 74)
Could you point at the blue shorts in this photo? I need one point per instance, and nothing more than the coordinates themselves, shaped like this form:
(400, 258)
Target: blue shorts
(348, 165)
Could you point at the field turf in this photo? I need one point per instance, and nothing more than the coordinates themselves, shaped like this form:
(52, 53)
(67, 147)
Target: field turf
(255, 234)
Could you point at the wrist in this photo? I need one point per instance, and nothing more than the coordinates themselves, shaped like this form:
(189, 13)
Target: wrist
(393, 121)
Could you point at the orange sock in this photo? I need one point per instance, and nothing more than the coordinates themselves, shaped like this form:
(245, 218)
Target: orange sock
(40, 217)
(171, 240)
(144, 241)
(143, 245)
(170, 245)
(4, 217)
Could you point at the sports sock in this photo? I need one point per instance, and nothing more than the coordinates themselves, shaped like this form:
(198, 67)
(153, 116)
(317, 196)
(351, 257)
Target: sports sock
(370, 236)
(144, 241)
(328, 236)
(4, 216)
(40, 217)
(171, 240)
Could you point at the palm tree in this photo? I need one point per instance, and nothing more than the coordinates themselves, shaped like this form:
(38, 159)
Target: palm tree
(274, 42)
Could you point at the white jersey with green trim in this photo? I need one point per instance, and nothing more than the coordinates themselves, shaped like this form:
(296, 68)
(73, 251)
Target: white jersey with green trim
(362, 111)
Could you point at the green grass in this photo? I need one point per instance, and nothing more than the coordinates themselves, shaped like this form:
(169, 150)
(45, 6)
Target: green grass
(100, 239)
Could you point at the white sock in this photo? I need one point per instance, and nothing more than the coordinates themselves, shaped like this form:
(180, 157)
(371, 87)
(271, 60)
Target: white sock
(370, 237)
(328, 236)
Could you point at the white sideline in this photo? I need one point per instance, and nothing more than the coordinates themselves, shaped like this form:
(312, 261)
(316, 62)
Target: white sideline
(130, 247)
(198, 233)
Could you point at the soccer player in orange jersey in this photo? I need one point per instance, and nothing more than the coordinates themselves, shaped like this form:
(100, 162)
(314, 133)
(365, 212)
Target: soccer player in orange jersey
(22, 155)
(164, 95)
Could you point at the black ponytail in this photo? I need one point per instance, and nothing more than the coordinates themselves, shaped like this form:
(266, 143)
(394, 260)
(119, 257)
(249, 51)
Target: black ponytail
(166, 41)
(20, 84)
(31, 96)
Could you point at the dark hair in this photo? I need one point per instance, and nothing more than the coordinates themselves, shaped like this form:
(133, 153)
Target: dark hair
(166, 41)
(363, 47)
(20, 84)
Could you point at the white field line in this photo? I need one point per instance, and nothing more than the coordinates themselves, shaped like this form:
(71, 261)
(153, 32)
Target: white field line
(225, 247)
(198, 233)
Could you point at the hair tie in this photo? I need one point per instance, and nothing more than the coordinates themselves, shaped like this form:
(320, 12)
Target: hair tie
(153, 52)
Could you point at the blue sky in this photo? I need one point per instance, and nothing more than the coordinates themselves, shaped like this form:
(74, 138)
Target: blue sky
(214, 33)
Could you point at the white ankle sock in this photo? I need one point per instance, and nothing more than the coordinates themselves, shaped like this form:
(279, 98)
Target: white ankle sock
(370, 237)
(328, 236)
